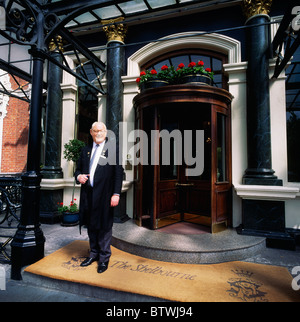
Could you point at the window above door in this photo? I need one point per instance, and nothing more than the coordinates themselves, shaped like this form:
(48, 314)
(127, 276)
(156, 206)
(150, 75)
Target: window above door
(212, 60)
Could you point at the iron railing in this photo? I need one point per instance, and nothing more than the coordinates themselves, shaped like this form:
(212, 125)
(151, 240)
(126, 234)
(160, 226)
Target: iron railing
(10, 206)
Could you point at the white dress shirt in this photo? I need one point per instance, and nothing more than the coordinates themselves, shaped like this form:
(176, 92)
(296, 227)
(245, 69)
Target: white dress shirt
(96, 159)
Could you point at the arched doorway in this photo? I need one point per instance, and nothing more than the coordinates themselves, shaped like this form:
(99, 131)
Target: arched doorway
(177, 190)
(218, 210)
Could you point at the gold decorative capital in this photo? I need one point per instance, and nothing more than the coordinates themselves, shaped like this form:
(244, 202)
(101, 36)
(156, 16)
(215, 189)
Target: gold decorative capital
(57, 44)
(114, 29)
(256, 7)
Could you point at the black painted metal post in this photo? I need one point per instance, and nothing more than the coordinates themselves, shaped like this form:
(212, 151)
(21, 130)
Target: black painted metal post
(259, 169)
(28, 243)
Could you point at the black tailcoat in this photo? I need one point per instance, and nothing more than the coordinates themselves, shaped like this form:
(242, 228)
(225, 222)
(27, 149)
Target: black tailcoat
(98, 214)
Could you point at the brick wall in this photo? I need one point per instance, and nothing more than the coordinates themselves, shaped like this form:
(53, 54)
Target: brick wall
(15, 134)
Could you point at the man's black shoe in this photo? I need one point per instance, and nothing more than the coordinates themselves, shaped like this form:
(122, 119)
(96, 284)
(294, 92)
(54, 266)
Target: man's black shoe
(88, 261)
(102, 267)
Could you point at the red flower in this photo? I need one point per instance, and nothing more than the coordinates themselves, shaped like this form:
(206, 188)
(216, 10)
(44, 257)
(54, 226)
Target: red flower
(138, 80)
(208, 69)
(142, 73)
(164, 67)
(153, 72)
(192, 64)
(200, 63)
(181, 65)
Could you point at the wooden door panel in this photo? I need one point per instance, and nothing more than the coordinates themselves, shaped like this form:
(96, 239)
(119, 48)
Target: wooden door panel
(198, 201)
(168, 202)
(223, 205)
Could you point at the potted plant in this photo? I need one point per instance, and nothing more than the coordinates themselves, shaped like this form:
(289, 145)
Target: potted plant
(72, 151)
(194, 73)
(153, 79)
(70, 216)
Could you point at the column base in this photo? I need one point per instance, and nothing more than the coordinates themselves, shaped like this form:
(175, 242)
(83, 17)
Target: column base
(266, 219)
(263, 181)
(262, 176)
(49, 172)
(120, 215)
(49, 213)
(27, 247)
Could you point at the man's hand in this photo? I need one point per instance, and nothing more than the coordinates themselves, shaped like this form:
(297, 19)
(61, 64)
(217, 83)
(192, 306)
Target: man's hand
(114, 201)
(83, 178)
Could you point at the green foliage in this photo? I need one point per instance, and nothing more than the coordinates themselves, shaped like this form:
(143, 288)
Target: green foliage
(71, 208)
(73, 149)
(172, 76)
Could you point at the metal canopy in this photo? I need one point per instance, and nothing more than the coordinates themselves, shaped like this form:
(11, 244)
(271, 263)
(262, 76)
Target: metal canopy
(61, 16)
(287, 37)
(82, 13)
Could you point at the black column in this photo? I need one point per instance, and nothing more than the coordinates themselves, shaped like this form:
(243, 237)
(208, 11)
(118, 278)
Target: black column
(261, 217)
(28, 243)
(115, 70)
(114, 106)
(259, 169)
(52, 167)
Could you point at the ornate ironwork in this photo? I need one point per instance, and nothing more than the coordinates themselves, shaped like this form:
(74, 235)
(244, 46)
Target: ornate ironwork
(10, 205)
(24, 21)
(287, 38)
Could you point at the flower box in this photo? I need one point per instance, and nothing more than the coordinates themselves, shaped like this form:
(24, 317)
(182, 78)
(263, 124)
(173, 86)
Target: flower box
(195, 73)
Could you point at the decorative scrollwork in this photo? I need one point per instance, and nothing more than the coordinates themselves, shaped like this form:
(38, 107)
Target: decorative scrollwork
(50, 21)
(22, 21)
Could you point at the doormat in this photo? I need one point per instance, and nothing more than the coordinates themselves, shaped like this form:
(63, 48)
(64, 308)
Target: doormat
(225, 282)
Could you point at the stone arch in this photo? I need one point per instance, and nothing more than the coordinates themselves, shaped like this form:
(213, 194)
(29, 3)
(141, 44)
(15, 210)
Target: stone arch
(216, 42)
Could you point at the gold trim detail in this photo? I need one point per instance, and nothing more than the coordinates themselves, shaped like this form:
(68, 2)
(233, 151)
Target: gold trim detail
(256, 7)
(53, 45)
(114, 29)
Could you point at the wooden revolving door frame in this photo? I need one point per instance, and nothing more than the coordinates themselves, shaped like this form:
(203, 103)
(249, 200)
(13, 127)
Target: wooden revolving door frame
(167, 193)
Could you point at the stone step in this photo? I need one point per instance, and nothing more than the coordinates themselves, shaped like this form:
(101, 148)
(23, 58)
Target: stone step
(205, 248)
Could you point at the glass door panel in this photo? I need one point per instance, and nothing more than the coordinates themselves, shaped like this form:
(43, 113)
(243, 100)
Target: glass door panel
(221, 148)
(221, 185)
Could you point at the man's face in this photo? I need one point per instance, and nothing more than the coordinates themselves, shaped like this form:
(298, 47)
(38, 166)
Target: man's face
(98, 133)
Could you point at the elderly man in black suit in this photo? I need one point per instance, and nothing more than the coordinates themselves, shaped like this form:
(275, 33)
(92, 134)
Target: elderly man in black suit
(100, 174)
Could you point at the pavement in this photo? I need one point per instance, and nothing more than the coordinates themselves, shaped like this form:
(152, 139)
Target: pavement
(58, 236)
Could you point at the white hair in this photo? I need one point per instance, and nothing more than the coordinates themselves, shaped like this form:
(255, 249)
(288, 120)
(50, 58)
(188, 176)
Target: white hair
(99, 124)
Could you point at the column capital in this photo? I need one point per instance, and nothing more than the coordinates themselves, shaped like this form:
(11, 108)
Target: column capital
(114, 28)
(56, 44)
(256, 7)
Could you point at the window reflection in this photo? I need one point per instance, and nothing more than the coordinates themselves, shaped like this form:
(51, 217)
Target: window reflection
(293, 117)
(221, 148)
